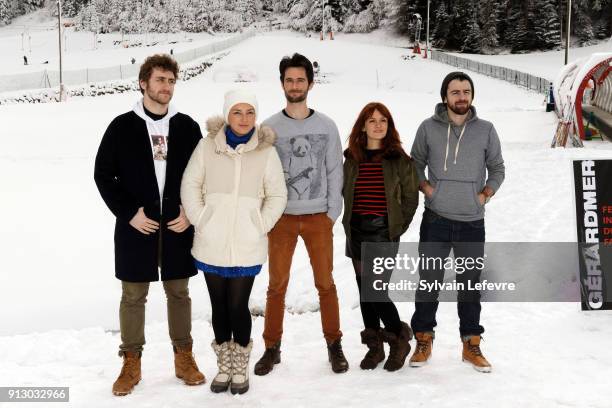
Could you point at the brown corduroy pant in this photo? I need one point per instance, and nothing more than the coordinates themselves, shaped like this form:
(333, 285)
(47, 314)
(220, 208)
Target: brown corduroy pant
(316, 231)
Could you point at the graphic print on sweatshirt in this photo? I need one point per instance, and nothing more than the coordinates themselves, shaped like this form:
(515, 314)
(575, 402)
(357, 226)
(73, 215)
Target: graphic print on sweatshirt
(302, 157)
(160, 147)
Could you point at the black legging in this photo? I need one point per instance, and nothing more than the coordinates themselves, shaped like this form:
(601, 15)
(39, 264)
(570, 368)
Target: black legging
(374, 312)
(229, 298)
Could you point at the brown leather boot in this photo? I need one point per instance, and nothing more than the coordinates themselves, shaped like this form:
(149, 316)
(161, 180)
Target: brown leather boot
(399, 347)
(472, 354)
(373, 339)
(270, 357)
(336, 357)
(422, 353)
(130, 374)
(185, 366)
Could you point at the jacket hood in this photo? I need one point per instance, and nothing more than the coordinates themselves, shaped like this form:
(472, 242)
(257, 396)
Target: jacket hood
(441, 114)
(139, 110)
(263, 137)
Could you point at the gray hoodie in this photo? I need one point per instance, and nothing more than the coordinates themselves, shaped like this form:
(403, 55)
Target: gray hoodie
(457, 163)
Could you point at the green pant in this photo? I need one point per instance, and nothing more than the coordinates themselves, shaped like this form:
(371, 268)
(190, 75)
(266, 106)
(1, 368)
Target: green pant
(132, 314)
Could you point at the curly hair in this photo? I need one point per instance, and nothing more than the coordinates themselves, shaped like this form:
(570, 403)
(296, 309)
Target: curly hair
(162, 61)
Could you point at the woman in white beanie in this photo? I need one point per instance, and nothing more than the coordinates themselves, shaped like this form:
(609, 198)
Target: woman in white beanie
(233, 192)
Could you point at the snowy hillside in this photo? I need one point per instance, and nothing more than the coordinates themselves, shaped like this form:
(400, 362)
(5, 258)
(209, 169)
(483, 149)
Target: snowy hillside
(38, 41)
(60, 299)
(542, 64)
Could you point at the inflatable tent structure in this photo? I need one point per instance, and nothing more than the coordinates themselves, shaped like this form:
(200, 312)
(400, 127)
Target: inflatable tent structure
(583, 100)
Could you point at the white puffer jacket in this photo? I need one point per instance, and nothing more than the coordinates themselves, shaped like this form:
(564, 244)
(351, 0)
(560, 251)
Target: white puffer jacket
(233, 197)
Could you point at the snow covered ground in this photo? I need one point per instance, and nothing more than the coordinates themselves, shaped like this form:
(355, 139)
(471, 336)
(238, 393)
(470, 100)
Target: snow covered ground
(35, 36)
(59, 298)
(543, 64)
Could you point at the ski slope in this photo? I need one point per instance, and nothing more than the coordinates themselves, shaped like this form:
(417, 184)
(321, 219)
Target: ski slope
(543, 64)
(35, 36)
(60, 299)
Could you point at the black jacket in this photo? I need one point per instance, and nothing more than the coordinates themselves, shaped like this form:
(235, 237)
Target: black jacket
(125, 176)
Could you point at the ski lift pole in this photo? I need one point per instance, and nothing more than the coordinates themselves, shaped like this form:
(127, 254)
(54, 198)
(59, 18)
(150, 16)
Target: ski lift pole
(323, 25)
(59, 29)
(427, 34)
(567, 38)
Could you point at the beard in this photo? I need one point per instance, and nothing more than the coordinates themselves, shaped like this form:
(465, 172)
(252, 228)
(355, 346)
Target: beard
(161, 98)
(296, 97)
(460, 110)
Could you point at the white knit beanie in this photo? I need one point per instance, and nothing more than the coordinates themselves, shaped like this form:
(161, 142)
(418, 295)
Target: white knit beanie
(237, 96)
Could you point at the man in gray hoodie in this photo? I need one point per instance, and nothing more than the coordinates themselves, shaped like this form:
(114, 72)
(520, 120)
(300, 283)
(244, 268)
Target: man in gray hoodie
(310, 150)
(465, 168)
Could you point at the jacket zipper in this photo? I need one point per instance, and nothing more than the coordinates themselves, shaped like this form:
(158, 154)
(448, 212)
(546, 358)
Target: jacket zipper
(237, 170)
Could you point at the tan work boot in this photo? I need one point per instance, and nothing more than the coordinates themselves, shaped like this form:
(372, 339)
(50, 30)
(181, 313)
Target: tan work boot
(185, 366)
(473, 355)
(130, 374)
(422, 352)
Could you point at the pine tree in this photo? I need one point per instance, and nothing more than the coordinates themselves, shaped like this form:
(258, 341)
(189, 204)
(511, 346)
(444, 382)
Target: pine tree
(488, 23)
(247, 9)
(114, 13)
(156, 18)
(268, 5)
(605, 17)
(442, 27)
(581, 22)
(472, 42)
(518, 35)
(90, 20)
(201, 20)
(547, 27)
(463, 14)
(28, 6)
(173, 10)
(5, 12)
(600, 23)
(502, 21)
(69, 8)
(600, 30)
(402, 12)
(516, 32)
(337, 9)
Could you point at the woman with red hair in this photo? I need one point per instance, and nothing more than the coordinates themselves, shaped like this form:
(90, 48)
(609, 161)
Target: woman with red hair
(380, 198)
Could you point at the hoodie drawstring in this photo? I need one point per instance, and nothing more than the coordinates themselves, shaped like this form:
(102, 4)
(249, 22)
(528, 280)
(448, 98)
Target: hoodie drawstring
(448, 144)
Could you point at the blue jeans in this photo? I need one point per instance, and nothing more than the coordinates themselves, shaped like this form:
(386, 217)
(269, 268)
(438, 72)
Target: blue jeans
(467, 240)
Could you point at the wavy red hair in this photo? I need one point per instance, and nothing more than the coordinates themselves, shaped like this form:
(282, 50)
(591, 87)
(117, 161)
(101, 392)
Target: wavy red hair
(358, 139)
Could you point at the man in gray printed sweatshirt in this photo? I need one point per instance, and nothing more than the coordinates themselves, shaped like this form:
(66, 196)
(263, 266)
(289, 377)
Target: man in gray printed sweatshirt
(465, 169)
(310, 150)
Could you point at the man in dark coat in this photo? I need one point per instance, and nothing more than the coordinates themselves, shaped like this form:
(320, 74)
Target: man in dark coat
(138, 171)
